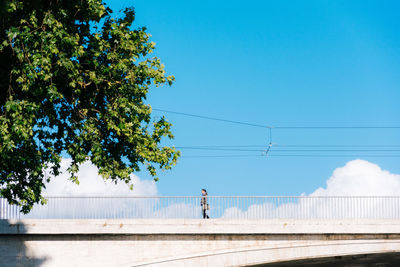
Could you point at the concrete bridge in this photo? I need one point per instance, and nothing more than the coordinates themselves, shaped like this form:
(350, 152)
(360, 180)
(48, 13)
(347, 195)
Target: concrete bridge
(197, 242)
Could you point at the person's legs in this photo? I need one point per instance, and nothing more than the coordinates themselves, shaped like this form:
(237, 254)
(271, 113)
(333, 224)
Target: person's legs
(204, 214)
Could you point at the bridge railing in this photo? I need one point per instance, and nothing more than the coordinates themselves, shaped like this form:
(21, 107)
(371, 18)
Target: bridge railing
(224, 207)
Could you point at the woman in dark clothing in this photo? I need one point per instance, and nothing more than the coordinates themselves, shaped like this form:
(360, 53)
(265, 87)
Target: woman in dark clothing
(204, 203)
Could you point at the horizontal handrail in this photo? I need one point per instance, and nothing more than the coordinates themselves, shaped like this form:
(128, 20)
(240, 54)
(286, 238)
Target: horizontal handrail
(233, 207)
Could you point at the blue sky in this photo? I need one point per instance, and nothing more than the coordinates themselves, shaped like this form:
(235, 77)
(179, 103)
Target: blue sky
(279, 63)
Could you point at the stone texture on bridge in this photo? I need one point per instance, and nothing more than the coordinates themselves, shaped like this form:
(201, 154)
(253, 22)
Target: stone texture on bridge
(190, 242)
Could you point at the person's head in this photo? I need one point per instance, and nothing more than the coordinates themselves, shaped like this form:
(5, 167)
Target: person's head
(203, 192)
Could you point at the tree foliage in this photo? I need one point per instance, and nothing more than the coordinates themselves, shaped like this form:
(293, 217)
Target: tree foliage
(74, 81)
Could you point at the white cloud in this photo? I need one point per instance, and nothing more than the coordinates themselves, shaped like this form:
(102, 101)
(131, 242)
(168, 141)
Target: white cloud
(360, 178)
(94, 197)
(357, 178)
(91, 184)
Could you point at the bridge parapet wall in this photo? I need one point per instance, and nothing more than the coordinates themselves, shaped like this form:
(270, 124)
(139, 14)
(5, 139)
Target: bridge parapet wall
(189, 242)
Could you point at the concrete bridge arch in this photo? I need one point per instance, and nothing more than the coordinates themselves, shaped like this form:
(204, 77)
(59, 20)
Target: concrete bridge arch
(311, 253)
(192, 242)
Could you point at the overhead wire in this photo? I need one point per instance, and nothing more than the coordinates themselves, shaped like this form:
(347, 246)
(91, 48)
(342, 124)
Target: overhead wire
(292, 150)
(220, 149)
(211, 118)
(273, 127)
(222, 156)
(295, 155)
(289, 152)
(279, 145)
(272, 152)
(337, 145)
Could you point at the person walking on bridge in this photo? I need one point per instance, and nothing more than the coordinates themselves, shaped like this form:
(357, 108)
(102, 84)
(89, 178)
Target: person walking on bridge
(204, 204)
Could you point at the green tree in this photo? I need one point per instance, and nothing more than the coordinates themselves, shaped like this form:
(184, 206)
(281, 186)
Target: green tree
(74, 81)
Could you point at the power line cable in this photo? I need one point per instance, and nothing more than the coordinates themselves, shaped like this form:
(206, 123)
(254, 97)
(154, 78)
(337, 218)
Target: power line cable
(337, 145)
(336, 127)
(223, 156)
(220, 149)
(211, 118)
(274, 127)
(278, 145)
(336, 150)
(325, 155)
(293, 155)
(290, 150)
